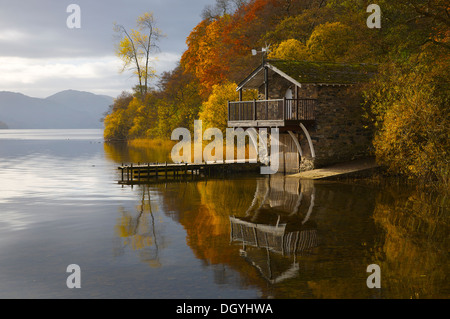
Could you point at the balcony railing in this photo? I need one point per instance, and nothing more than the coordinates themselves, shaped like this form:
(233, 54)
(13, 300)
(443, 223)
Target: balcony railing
(272, 110)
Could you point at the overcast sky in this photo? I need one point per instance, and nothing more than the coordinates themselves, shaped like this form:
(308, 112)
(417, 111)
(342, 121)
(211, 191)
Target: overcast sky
(40, 55)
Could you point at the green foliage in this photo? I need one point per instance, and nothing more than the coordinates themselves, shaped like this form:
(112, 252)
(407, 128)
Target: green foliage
(179, 101)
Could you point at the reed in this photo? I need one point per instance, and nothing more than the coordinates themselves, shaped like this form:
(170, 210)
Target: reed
(167, 145)
(151, 143)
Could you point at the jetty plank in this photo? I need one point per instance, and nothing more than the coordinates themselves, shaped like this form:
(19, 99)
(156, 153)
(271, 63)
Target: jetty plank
(165, 172)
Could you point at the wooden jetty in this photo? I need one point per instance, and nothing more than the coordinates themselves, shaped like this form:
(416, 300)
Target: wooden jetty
(170, 172)
(165, 172)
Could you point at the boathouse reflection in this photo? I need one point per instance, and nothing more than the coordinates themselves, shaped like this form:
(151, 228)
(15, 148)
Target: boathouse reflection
(277, 228)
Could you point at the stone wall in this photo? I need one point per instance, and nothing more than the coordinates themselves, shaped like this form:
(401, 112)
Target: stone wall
(338, 134)
(277, 87)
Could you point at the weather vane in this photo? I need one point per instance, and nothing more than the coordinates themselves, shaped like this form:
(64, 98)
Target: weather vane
(265, 51)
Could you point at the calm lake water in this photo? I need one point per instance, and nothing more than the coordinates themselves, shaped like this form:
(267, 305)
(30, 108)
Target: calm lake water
(240, 237)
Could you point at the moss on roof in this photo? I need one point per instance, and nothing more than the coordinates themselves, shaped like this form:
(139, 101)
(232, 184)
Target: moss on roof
(325, 72)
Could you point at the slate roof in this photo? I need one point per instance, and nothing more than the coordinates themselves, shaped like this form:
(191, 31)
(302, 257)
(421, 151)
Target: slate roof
(325, 72)
(305, 72)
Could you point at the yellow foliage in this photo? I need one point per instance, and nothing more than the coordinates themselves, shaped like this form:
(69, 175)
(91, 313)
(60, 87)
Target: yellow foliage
(291, 49)
(415, 125)
(214, 112)
(330, 42)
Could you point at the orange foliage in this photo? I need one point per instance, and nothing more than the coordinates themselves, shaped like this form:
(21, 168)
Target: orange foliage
(215, 47)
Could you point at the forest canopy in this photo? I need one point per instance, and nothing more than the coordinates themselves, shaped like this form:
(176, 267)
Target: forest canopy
(407, 103)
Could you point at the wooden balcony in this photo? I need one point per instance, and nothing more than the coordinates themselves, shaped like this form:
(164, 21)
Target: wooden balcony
(270, 113)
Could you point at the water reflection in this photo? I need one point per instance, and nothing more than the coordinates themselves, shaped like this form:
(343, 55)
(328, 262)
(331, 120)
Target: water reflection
(277, 224)
(139, 231)
(414, 250)
(302, 239)
(124, 153)
(290, 238)
(60, 203)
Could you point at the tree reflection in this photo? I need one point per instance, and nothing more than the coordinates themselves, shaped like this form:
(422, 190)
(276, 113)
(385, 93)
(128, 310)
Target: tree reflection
(136, 153)
(414, 250)
(302, 239)
(139, 231)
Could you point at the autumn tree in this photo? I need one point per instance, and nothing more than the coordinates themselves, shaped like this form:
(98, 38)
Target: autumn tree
(291, 49)
(179, 101)
(145, 116)
(221, 8)
(214, 112)
(116, 119)
(136, 47)
(330, 42)
(300, 25)
(407, 103)
(219, 48)
(409, 106)
(409, 99)
(206, 54)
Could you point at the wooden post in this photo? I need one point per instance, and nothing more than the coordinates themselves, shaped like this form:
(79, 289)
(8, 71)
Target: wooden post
(254, 110)
(239, 111)
(266, 83)
(283, 114)
(139, 171)
(229, 111)
(166, 170)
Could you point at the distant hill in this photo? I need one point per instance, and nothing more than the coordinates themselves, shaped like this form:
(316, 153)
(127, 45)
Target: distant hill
(66, 109)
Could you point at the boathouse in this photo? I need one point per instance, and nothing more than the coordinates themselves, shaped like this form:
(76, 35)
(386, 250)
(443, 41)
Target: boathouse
(317, 107)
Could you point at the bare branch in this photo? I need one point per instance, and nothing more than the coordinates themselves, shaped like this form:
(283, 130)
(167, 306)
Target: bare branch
(142, 43)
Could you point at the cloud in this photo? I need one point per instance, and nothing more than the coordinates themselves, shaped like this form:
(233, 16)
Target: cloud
(42, 77)
(39, 54)
(42, 30)
(11, 36)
